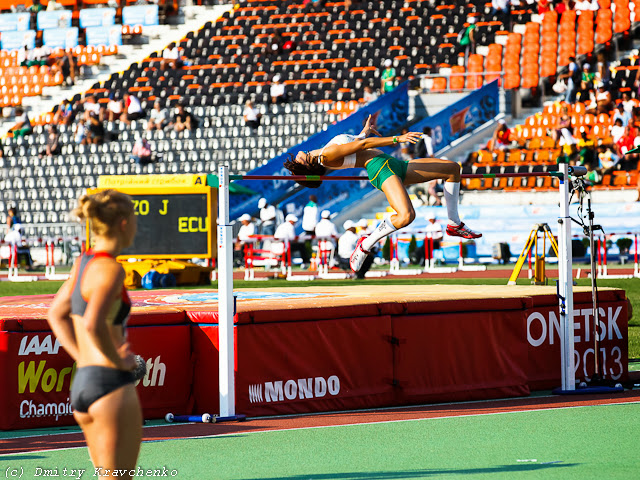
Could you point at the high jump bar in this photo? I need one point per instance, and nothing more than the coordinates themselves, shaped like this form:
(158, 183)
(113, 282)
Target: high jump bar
(360, 178)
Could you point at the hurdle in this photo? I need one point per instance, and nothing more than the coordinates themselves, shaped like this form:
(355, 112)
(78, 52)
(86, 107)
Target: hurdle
(225, 282)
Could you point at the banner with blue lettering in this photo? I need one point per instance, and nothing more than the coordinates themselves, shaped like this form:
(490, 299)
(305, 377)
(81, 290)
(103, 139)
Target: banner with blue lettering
(462, 117)
(60, 37)
(389, 113)
(14, 22)
(104, 35)
(54, 19)
(97, 17)
(140, 15)
(17, 40)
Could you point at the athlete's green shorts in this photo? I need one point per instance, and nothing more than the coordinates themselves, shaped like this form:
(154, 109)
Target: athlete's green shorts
(384, 166)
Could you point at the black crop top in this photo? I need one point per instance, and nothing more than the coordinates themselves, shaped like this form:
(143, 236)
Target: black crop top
(119, 311)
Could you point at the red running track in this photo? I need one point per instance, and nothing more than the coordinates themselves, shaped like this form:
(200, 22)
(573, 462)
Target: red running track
(174, 431)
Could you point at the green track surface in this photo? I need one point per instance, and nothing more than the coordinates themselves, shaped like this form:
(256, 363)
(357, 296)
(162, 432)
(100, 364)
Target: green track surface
(594, 442)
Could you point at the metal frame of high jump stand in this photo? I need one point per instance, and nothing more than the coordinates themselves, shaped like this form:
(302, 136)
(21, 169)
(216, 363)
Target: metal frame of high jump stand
(226, 298)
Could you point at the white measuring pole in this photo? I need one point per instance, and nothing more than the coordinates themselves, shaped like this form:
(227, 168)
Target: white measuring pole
(225, 299)
(565, 283)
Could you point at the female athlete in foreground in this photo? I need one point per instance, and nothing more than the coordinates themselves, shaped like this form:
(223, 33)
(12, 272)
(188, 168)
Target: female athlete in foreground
(387, 174)
(88, 317)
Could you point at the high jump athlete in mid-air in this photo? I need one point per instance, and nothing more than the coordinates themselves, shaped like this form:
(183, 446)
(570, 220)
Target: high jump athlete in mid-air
(387, 174)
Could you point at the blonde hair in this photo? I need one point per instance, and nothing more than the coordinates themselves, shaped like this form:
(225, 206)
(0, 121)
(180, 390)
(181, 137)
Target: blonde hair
(104, 210)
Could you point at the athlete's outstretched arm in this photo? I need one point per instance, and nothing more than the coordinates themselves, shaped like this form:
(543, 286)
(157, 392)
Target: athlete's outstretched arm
(334, 152)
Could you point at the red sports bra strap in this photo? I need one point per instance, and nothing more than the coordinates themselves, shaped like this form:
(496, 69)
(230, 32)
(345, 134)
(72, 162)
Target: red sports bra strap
(98, 254)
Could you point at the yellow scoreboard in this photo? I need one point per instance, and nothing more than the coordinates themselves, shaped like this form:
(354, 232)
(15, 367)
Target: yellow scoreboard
(176, 214)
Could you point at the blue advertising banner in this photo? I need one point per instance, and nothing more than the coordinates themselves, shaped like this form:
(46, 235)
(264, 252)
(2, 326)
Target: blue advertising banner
(17, 40)
(60, 37)
(140, 15)
(389, 113)
(104, 35)
(97, 17)
(462, 117)
(14, 22)
(54, 19)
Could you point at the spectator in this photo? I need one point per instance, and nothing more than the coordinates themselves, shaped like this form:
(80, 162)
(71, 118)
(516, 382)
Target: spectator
(544, 6)
(289, 45)
(325, 228)
(67, 65)
(388, 77)
(278, 91)
(573, 78)
(502, 8)
(81, 132)
(564, 130)
(581, 5)
(183, 120)
(628, 104)
(622, 115)
(623, 145)
(275, 45)
(563, 6)
(245, 234)
(501, 139)
(434, 230)
(467, 39)
(91, 107)
(22, 57)
(114, 108)
(171, 57)
(141, 152)
(158, 117)
(267, 217)
(53, 142)
(603, 73)
(36, 7)
(586, 82)
(369, 95)
(94, 132)
(38, 56)
(362, 227)
(64, 114)
(247, 230)
(251, 115)
(286, 232)
(347, 244)
(424, 148)
(326, 234)
(626, 141)
(586, 148)
(53, 5)
(23, 123)
(13, 235)
(607, 160)
(310, 216)
(604, 101)
(132, 109)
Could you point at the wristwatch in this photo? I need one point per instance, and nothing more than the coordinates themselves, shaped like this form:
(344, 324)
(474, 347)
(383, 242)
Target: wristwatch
(395, 139)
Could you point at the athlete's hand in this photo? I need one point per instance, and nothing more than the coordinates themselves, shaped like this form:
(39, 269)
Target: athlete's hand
(127, 358)
(369, 129)
(411, 137)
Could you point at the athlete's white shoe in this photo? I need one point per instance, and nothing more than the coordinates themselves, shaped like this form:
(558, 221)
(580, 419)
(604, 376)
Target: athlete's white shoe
(358, 256)
(462, 231)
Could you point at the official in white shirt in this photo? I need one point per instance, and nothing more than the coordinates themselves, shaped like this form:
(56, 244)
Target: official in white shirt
(287, 231)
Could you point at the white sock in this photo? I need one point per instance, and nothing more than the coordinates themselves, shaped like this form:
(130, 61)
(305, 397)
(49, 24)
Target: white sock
(385, 228)
(451, 197)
